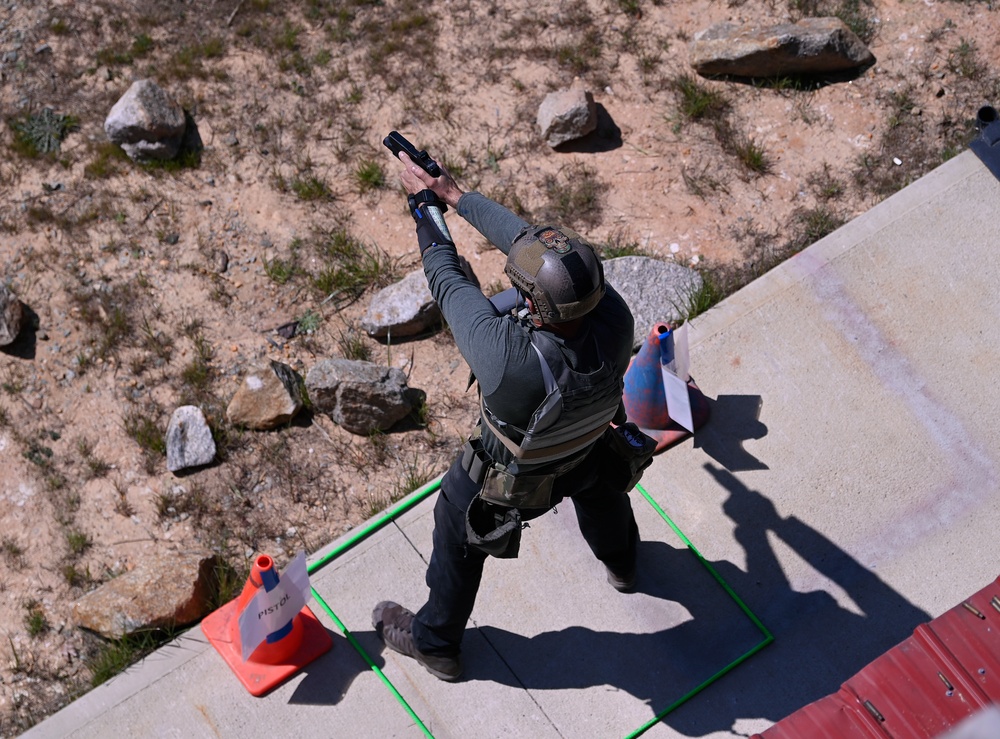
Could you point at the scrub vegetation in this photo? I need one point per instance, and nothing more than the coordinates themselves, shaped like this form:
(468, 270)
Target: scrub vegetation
(153, 286)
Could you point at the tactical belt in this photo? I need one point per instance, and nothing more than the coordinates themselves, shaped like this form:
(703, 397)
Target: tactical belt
(499, 486)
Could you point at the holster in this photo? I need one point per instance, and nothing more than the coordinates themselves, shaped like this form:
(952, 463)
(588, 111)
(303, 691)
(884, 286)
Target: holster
(624, 453)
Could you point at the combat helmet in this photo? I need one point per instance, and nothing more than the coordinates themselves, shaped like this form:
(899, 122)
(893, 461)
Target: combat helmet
(559, 270)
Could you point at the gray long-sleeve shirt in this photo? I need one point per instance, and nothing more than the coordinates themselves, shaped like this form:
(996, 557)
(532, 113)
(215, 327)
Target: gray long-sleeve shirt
(497, 348)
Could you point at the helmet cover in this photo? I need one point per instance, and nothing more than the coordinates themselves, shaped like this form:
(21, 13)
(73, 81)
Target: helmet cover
(559, 270)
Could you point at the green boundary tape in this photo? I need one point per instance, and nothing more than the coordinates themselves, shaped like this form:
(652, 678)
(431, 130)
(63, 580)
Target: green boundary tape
(419, 495)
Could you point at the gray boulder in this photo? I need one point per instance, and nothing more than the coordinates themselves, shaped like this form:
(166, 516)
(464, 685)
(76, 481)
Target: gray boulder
(269, 396)
(361, 396)
(406, 308)
(189, 439)
(811, 46)
(146, 122)
(162, 593)
(565, 115)
(655, 291)
(11, 316)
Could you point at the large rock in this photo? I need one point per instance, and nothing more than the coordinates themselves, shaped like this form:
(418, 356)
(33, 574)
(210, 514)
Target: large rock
(269, 396)
(406, 308)
(162, 593)
(146, 122)
(655, 291)
(565, 115)
(361, 396)
(11, 316)
(811, 46)
(189, 439)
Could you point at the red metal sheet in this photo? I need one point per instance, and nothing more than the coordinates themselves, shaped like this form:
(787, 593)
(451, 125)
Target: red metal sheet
(909, 687)
(970, 633)
(948, 670)
(835, 717)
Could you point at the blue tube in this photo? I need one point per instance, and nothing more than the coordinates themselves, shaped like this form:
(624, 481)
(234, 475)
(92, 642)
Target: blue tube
(666, 347)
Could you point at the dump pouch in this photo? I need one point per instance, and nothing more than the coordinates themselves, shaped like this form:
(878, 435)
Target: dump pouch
(493, 529)
(624, 452)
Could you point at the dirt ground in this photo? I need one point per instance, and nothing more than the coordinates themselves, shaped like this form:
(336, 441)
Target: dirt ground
(120, 263)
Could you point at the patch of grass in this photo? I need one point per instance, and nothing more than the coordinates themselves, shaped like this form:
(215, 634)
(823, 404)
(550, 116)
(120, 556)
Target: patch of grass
(824, 185)
(352, 266)
(622, 244)
(582, 54)
(696, 100)
(108, 159)
(369, 175)
(114, 656)
(96, 466)
(809, 225)
(702, 183)
(750, 155)
(76, 578)
(352, 345)
(964, 60)
(707, 295)
(78, 542)
(188, 61)
(13, 552)
(310, 188)
(140, 426)
(415, 476)
(34, 618)
(41, 133)
(574, 196)
(280, 271)
(38, 454)
(630, 8)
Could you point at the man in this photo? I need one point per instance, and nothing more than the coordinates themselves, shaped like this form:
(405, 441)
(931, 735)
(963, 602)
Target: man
(549, 382)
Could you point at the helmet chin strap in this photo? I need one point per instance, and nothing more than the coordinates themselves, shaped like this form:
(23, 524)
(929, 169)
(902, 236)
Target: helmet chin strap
(536, 319)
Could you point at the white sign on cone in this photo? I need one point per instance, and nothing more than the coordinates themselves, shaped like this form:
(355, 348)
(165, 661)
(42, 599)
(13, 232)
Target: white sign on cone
(675, 374)
(269, 611)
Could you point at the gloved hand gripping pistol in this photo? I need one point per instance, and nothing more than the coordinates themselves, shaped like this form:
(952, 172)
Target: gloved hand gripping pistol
(425, 206)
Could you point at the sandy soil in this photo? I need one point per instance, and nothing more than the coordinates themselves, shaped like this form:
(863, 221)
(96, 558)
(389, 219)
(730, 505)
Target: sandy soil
(291, 100)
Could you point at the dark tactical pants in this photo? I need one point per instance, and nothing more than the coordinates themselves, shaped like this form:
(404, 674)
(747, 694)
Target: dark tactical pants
(455, 571)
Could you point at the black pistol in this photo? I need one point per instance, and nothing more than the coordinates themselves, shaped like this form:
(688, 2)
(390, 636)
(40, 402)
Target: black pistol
(396, 142)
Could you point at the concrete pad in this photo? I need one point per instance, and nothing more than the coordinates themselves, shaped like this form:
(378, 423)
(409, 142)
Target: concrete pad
(845, 488)
(549, 635)
(846, 483)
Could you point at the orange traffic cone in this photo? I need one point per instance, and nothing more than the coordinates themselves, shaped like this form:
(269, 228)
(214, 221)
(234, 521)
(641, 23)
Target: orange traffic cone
(645, 400)
(283, 653)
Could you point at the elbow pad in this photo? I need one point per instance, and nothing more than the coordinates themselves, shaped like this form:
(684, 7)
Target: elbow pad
(428, 213)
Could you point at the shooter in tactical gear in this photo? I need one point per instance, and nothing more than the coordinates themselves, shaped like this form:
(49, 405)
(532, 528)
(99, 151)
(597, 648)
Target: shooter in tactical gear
(550, 383)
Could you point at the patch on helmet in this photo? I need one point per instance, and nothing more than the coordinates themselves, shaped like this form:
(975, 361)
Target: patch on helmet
(555, 240)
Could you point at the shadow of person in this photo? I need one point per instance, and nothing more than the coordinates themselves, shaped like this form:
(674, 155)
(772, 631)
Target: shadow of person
(25, 345)
(694, 629)
(735, 419)
(329, 678)
(822, 636)
(820, 640)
